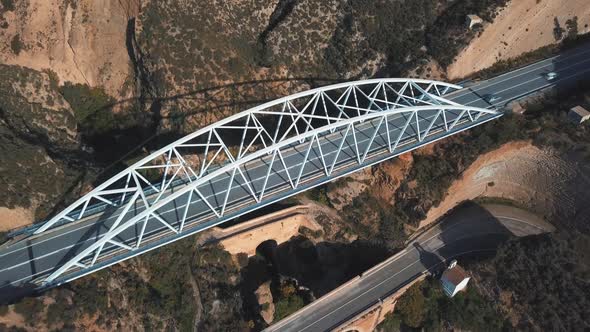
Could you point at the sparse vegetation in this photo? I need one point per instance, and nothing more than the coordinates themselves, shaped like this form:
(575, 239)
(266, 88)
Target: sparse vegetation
(319, 194)
(548, 275)
(29, 308)
(572, 27)
(398, 30)
(4, 327)
(288, 302)
(3, 310)
(182, 51)
(32, 129)
(168, 299)
(85, 101)
(8, 5)
(557, 30)
(218, 280)
(424, 305)
(111, 134)
(375, 221)
(502, 66)
(449, 33)
(434, 174)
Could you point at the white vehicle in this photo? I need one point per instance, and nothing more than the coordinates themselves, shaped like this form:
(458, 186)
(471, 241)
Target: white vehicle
(491, 98)
(550, 76)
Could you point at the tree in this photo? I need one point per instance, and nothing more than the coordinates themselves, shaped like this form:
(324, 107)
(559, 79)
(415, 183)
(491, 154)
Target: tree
(557, 30)
(411, 306)
(572, 27)
(16, 44)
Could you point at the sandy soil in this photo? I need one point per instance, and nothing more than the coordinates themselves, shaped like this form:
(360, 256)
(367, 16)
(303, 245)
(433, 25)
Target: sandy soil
(537, 179)
(430, 71)
(389, 175)
(524, 25)
(353, 185)
(279, 226)
(14, 319)
(15, 218)
(264, 296)
(84, 43)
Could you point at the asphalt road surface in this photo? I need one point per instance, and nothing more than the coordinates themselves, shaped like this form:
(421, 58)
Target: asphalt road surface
(470, 229)
(39, 255)
(36, 257)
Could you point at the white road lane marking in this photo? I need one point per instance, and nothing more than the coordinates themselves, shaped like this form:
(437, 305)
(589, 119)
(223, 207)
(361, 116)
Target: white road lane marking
(261, 165)
(392, 276)
(291, 152)
(531, 80)
(166, 212)
(141, 208)
(543, 66)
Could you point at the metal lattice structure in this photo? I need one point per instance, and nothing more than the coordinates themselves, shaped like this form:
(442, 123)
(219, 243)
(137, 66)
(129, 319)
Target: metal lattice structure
(257, 157)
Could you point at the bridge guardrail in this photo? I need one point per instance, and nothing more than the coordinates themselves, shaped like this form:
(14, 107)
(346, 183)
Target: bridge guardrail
(93, 209)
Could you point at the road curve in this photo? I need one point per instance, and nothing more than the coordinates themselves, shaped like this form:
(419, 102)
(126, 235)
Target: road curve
(468, 229)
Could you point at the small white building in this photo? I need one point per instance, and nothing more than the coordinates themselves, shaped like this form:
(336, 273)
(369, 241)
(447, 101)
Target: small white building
(473, 20)
(578, 114)
(454, 279)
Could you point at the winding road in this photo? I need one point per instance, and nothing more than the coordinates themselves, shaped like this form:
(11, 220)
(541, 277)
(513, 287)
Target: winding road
(470, 229)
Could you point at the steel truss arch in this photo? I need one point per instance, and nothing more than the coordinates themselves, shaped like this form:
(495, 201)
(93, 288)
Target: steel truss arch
(343, 125)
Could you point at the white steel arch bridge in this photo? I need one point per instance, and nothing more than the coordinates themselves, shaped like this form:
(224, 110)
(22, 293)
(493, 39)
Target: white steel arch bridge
(249, 160)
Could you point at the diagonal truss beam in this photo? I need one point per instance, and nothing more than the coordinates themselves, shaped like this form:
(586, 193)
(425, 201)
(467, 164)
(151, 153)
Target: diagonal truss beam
(345, 125)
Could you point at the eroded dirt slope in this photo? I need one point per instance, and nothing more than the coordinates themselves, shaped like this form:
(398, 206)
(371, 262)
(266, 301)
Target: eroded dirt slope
(82, 41)
(39, 144)
(522, 26)
(536, 178)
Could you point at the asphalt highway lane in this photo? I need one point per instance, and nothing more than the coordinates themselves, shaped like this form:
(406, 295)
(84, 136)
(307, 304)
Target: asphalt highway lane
(468, 230)
(37, 256)
(47, 250)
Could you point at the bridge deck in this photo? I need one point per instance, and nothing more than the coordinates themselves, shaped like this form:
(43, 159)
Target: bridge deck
(36, 257)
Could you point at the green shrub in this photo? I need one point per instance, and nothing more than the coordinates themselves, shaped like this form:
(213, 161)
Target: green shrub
(29, 308)
(288, 305)
(85, 101)
(53, 78)
(411, 306)
(572, 27)
(309, 233)
(3, 310)
(59, 311)
(8, 5)
(392, 322)
(548, 274)
(16, 44)
(319, 194)
(424, 305)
